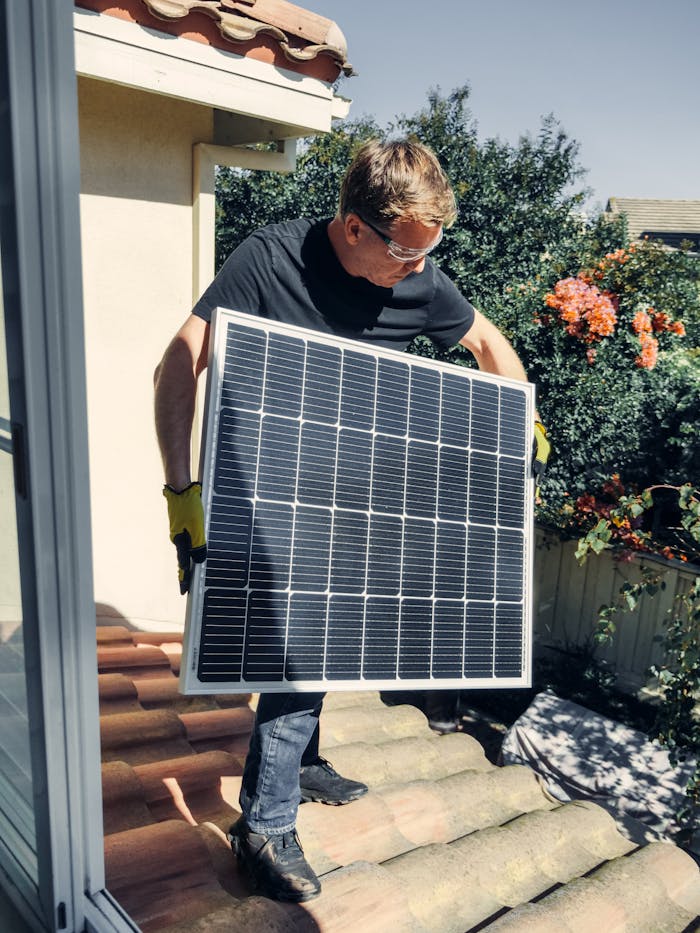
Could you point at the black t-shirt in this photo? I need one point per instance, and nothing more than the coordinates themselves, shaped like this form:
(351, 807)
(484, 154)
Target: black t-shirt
(289, 272)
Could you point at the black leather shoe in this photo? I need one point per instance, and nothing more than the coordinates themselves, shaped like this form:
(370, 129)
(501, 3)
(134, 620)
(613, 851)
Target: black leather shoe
(275, 864)
(321, 782)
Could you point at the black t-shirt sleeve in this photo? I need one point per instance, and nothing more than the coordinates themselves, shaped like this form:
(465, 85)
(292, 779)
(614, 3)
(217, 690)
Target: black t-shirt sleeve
(450, 315)
(241, 282)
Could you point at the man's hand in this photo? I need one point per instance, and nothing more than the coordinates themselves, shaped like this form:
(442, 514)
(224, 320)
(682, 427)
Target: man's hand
(186, 529)
(541, 454)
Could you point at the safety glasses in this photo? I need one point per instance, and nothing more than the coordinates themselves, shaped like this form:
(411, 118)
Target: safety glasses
(398, 252)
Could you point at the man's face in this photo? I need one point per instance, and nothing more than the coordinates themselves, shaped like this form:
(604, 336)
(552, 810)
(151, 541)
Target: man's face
(374, 256)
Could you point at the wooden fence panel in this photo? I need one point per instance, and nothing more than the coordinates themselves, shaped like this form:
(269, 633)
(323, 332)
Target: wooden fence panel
(568, 597)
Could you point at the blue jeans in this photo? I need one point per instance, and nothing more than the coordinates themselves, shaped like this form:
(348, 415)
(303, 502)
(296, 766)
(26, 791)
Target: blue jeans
(285, 736)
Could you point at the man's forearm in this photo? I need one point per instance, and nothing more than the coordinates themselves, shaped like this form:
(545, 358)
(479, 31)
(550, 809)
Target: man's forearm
(175, 389)
(499, 358)
(492, 351)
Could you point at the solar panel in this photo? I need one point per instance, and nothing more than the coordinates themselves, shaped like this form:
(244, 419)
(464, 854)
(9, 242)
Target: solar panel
(368, 519)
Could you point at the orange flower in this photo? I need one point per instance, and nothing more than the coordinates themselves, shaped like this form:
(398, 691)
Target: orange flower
(586, 312)
(660, 321)
(586, 503)
(620, 255)
(646, 322)
(614, 486)
(641, 323)
(649, 352)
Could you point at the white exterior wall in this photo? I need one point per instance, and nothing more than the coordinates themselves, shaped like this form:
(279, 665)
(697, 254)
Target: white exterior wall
(137, 235)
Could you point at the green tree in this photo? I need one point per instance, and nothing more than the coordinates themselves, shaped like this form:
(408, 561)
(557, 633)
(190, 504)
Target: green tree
(519, 232)
(516, 202)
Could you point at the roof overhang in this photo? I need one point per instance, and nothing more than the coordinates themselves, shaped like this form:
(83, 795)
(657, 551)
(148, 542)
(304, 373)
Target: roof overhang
(277, 103)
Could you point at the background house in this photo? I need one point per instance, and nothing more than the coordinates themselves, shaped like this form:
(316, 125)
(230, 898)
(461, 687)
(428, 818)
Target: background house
(672, 222)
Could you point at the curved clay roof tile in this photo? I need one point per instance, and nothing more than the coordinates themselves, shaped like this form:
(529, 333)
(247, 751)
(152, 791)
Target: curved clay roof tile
(244, 20)
(176, 9)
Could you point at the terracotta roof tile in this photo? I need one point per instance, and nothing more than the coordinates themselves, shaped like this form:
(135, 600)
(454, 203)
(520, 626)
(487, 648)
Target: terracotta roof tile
(371, 724)
(162, 874)
(137, 662)
(194, 774)
(123, 802)
(114, 635)
(419, 756)
(271, 30)
(141, 737)
(444, 841)
(157, 638)
(154, 692)
(626, 894)
(210, 725)
(118, 694)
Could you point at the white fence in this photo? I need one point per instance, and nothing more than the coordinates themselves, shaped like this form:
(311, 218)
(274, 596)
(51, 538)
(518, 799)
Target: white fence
(567, 598)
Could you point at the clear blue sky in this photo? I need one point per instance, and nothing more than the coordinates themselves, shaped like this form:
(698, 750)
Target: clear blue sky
(621, 76)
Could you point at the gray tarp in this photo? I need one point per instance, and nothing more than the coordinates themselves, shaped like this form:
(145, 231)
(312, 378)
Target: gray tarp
(581, 755)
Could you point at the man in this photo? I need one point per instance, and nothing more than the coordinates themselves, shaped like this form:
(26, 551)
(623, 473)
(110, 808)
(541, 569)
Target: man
(366, 275)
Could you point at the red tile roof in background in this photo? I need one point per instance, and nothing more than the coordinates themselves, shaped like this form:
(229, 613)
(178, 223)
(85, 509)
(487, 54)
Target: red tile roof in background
(273, 31)
(445, 841)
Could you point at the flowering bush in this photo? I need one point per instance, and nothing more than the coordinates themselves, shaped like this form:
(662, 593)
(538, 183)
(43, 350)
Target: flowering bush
(663, 519)
(587, 313)
(603, 334)
(590, 314)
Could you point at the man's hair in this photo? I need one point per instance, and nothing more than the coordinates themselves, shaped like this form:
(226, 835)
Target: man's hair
(399, 180)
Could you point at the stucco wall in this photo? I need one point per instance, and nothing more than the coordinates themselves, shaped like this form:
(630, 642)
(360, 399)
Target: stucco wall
(136, 217)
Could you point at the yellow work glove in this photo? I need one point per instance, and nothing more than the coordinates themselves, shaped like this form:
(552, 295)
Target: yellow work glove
(542, 450)
(186, 529)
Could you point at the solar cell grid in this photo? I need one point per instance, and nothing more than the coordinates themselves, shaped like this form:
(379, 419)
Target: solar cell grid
(368, 519)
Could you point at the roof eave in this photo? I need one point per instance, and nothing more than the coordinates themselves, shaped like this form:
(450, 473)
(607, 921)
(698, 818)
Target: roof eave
(126, 53)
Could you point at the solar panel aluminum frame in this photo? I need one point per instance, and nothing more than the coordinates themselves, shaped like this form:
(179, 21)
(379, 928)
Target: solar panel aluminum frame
(191, 680)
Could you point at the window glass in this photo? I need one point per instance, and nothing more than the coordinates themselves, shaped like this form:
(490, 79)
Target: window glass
(16, 796)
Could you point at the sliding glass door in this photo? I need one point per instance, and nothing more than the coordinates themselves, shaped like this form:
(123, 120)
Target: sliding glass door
(16, 785)
(51, 845)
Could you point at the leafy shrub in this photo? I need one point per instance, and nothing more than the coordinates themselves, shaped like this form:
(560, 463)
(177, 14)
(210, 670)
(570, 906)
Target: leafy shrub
(617, 380)
(598, 322)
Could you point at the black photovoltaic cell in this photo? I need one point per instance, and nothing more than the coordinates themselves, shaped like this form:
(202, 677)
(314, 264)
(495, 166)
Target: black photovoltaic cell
(423, 415)
(381, 639)
(317, 464)
(391, 406)
(322, 385)
(367, 518)
(389, 475)
(357, 391)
